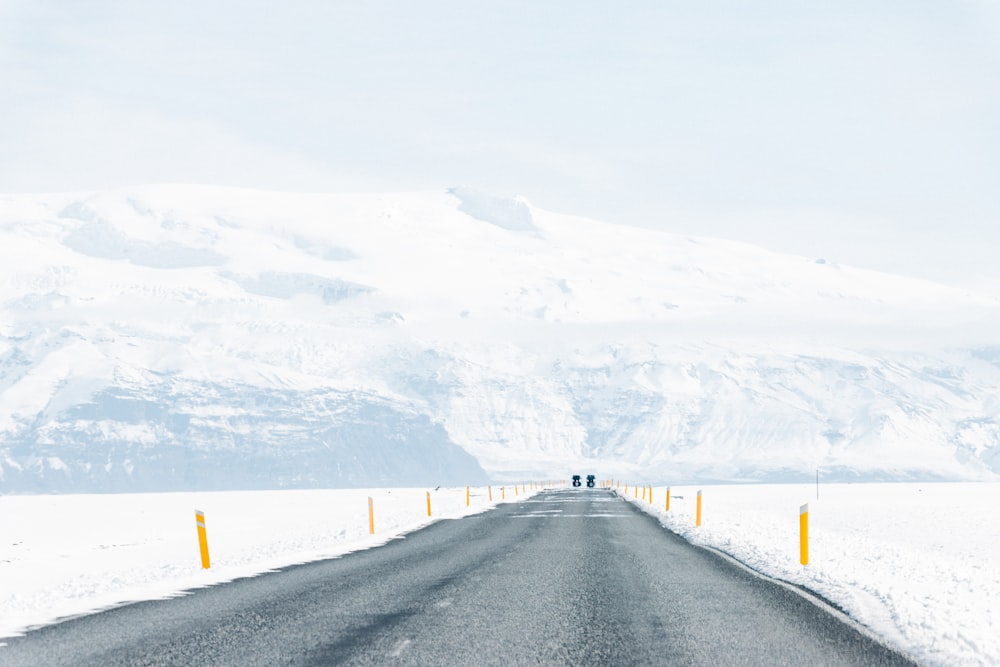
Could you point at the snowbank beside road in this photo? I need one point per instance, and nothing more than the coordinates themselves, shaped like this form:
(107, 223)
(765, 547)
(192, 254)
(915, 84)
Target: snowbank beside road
(919, 564)
(67, 555)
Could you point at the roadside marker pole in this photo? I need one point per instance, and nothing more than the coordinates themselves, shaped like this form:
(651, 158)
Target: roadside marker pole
(667, 509)
(503, 493)
(428, 503)
(199, 517)
(467, 495)
(650, 494)
(697, 520)
(371, 516)
(804, 534)
(490, 488)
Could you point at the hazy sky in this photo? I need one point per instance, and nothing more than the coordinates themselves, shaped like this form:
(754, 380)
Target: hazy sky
(866, 132)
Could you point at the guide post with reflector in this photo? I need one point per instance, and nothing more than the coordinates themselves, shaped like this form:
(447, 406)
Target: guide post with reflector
(202, 539)
(804, 534)
(697, 518)
(371, 516)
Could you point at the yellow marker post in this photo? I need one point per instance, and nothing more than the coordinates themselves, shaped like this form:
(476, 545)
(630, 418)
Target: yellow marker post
(626, 487)
(667, 508)
(199, 517)
(697, 520)
(490, 489)
(467, 495)
(804, 534)
(503, 493)
(644, 493)
(635, 492)
(428, 503)
(371, 516)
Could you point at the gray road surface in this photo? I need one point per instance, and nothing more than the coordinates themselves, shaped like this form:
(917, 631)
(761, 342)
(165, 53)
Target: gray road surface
(574, 577)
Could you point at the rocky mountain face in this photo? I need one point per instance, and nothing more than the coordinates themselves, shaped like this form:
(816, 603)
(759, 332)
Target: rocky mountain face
(173, 337)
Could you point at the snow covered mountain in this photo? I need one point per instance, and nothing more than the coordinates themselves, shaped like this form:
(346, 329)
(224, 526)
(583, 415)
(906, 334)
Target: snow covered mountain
(182, 337)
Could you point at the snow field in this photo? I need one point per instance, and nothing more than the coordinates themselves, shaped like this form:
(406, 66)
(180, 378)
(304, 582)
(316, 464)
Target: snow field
(537, 341)
(68, 555)
(917, 563)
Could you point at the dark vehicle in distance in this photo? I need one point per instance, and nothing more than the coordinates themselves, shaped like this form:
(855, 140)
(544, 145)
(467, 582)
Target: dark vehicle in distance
(576, 480)
(591, 481)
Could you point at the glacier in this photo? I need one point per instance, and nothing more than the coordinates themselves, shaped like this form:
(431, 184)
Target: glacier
(180, 337)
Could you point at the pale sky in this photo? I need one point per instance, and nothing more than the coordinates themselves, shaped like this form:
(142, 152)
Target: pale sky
(862, 131)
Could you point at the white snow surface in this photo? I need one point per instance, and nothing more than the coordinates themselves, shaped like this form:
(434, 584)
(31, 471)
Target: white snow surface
(66, 555)
(915, 563)
(460, 336)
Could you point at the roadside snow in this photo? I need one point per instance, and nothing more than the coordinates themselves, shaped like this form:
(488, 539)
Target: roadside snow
(918, 564)
(68, 555)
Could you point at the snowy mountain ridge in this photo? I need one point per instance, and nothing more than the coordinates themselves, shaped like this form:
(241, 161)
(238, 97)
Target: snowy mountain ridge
(170, 337)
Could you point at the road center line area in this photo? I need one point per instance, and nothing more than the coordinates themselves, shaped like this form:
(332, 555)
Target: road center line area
(590, 581)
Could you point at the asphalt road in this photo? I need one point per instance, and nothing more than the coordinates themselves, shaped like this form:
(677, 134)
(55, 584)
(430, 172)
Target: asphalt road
(574, 577)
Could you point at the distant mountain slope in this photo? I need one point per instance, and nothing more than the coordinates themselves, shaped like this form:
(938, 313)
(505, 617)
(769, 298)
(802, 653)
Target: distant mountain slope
(196, 337)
